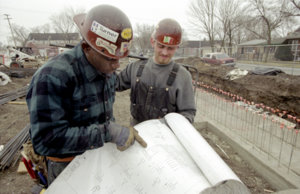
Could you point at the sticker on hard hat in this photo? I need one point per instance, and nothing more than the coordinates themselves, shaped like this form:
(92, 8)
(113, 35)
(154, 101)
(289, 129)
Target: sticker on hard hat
(167, 39)
(125, 46)
(111, 48)
(104, 32)
(126, 33)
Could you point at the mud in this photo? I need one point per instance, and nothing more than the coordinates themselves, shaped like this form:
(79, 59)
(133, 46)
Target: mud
(280, 92)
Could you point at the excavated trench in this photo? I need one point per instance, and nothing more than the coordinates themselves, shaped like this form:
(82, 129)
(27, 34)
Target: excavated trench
(280, 92)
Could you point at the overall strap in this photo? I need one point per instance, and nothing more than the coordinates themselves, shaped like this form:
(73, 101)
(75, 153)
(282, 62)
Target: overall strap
(140, 70)
(141, 67)
(173, 74)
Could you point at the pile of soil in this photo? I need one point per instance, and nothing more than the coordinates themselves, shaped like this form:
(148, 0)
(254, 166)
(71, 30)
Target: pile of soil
(280, 92)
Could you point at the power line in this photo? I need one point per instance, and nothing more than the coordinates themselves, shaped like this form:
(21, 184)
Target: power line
(12, 33)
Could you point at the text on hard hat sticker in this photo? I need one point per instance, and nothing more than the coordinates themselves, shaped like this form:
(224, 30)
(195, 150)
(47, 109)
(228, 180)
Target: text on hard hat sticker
(125, 46)
(104, 32)
(126, 33)
(167, 39)
(111, 48)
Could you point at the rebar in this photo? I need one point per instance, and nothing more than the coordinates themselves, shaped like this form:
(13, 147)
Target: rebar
(7, 155)
(13, 95)
(292, 151)
(254, 124)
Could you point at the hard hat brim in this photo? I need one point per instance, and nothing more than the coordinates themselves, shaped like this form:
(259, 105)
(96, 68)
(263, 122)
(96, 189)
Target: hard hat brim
(79, 20)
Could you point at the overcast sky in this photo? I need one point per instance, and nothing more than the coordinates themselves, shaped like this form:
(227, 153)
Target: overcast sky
(31, 13)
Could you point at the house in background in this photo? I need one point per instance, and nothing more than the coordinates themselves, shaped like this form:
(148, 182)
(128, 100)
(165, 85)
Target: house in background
(293, 39)
(200, 48)
(258, 49)
(54, 38)
(48, 44)
(251, 46)
(279, 49)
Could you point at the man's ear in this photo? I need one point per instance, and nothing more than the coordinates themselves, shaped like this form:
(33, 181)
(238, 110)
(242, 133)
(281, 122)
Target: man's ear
(85, 46)
(152, 42)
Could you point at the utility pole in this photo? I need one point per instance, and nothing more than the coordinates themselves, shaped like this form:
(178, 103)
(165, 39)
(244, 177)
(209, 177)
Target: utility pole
(12, 33)
(200, 49)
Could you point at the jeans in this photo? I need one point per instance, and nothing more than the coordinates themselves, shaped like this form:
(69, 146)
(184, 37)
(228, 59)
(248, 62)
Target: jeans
(54, 169)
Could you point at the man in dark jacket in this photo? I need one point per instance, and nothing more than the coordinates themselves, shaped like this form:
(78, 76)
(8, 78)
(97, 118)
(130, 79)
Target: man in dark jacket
(71, 97)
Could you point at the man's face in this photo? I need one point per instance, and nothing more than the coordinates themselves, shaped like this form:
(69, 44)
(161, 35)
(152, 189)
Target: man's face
(163, 54)
(102, 63)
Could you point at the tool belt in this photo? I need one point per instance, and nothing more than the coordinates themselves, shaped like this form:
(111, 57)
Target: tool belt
(55, 159)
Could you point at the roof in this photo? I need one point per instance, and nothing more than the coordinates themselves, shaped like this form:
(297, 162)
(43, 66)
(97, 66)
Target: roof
(276, 41)
(198, 44)
(253, 42)
(257, 42)
(53, 36)
(294, 35)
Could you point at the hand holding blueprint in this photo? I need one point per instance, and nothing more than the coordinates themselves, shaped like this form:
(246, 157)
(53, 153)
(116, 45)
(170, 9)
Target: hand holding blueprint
(177, 160)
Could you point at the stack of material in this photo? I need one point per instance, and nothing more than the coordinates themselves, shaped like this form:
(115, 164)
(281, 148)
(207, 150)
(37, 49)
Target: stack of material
(7, 155)
(4, 98)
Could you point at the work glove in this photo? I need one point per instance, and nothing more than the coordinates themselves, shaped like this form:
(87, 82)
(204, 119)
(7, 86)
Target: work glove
(124, 137)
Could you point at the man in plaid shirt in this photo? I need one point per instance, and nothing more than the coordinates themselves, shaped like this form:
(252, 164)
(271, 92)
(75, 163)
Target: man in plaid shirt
(70, 98)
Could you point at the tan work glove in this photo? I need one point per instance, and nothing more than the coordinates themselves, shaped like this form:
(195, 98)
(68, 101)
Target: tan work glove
(124, 137)
(133, 135)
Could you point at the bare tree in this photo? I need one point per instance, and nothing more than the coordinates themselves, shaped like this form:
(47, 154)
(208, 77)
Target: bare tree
(142, 35)
(184, 36)
(20, 34)
(202, 18)
(284, 29)
(41, 29)
(292, 8)
(230, 15)
(268, 15)
(63, 22)
(2, 46)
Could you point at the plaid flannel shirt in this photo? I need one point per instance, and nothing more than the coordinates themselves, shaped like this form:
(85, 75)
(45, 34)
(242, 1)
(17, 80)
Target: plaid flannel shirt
(67, 100)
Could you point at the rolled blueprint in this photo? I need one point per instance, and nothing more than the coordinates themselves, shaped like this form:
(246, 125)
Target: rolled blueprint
(165, 166)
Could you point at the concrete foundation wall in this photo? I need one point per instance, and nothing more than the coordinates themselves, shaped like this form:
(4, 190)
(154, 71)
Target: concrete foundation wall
(277, 161)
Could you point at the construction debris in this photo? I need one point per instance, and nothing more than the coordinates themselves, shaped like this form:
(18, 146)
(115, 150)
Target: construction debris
(8, 154)
(13, 95)
(4, 79)
(236, 73)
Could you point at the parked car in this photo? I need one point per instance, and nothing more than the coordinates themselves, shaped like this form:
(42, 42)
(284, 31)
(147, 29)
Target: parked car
(218, 59)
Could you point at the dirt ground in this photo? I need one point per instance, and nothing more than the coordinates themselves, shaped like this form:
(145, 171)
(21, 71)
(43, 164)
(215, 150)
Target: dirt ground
(281, 92)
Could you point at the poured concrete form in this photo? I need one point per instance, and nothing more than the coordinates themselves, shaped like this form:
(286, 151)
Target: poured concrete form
(268, 144)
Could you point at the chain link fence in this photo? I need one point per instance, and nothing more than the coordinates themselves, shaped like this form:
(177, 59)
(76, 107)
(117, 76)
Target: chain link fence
(269, 53)
(284, 54)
